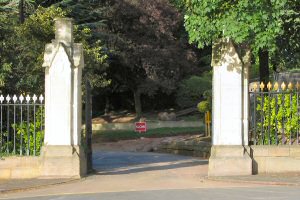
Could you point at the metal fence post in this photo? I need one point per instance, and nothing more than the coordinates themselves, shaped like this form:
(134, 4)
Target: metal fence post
(88, 125)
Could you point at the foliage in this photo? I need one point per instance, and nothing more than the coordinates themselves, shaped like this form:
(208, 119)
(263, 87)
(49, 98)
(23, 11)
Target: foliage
(24, 130)
(271, 25)
(278, 118)
(257, 22)
(36, 138)
(95, 58)
(288, 52)
(23, 47)
(143, 42)
(23, 51)
(148, 49)
(204, 106)
(191, 90)
(13, 5)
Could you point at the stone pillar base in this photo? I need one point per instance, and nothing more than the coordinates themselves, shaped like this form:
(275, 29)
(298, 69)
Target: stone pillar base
(229, 160)
(63, 161)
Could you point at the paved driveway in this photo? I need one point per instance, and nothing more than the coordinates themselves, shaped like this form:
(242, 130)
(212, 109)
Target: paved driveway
(118, 163)
(145, 176)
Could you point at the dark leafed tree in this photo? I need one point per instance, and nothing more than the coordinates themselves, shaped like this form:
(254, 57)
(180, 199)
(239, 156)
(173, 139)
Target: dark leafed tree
(146, 40)
(22, 7)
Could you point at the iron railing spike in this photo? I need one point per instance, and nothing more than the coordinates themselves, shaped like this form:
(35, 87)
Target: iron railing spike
(34, 98)
(41, 98)
(21, 98)
(1, 98)
(27, 98)
(8, 98)
(15, 98)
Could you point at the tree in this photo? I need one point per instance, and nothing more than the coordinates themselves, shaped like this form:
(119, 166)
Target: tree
(24, 51)
(287, 55)
(257, 24)
(22, 55)
(22, 7)
(148, 49)
(191, 90)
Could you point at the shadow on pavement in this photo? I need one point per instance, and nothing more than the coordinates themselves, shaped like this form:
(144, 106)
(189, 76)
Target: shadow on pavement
(115, 163)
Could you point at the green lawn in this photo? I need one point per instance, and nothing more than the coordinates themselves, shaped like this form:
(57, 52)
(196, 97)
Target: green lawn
(117, 135)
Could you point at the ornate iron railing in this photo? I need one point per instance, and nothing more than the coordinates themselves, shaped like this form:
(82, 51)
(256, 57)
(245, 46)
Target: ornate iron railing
(21, 124)
(274, 114)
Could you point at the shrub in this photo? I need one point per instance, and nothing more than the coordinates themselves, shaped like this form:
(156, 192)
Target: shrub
(191, 91)
(277, 119)
(35, 141)
(203, 106)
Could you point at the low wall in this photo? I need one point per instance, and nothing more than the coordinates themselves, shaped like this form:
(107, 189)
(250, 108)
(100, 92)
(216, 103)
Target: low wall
(19, 167)
(150, 125)
(54, 162)
(187, 148)
(275, 159)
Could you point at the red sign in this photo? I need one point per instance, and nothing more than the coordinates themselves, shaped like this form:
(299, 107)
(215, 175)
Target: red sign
(140, 127)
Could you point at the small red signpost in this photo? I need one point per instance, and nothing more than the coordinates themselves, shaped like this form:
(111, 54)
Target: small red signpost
(140, 127)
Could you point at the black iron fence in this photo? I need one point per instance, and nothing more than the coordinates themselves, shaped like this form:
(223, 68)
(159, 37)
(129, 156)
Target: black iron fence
(274, 114)
(21, 124)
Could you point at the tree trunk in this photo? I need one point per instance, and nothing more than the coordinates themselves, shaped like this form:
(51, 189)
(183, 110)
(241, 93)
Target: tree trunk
(137, 103)
(106, 109)
(21, 11)
(264, 66)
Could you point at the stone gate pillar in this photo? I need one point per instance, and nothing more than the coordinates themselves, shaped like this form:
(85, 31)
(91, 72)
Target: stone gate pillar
(62, 154)
(229, 153)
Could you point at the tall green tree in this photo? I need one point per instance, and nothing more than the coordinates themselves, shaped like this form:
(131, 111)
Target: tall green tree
(23, 49)
(287, 55)
(21, 7)
(258, 24)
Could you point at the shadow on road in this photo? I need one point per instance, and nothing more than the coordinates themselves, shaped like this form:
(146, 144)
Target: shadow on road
(115, 163)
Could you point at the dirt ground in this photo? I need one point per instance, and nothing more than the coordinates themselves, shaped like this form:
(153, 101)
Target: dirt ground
(136, 145)
(139, 145)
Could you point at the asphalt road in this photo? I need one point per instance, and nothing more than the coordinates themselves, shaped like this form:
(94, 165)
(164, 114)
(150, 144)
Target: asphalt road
(256, 193)
(151, 176)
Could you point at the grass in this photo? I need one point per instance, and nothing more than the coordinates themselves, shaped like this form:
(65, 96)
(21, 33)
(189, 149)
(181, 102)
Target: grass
(116, 135)
(193, 117)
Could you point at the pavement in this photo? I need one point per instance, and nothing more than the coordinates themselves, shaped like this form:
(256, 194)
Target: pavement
(284, 179)
(144, 175)
(9, 186)
(29, 184)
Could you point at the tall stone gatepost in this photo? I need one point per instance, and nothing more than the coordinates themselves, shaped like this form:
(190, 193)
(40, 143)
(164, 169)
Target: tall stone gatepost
(62, 154)
(230, 152)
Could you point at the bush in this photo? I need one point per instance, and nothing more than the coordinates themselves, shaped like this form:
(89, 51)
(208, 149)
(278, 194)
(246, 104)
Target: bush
(35, 141)
(203, 106)
(277, 119)
(191, 91)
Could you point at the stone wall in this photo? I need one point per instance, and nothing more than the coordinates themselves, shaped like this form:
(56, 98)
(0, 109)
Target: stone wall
(187, 148)
(288, 77)
(275, 159)
(54, 162)
(20, 167)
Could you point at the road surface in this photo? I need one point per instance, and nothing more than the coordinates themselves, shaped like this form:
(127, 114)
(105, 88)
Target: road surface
(145, 176)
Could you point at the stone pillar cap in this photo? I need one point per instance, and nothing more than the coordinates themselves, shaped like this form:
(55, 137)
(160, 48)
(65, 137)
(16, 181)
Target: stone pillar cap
(64, 30)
